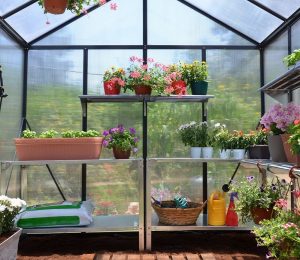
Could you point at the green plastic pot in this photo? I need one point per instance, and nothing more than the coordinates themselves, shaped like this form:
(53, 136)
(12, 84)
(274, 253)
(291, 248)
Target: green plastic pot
(199, 87)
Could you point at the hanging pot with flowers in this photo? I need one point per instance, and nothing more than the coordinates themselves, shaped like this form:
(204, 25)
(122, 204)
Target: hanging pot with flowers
(113, 80)
(121, 140)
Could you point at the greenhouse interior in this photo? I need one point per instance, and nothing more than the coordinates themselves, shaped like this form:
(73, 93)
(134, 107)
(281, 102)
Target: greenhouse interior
(149, 129)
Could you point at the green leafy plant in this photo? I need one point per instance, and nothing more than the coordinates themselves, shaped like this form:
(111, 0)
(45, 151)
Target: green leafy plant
(258, 137)
(76, 6)
(281, 235)
(66, 134)
(252, 194)
(48, 134)
(238, 140)
(29, 134)
(222, 137)
(194, 134)
(292, 58)
(9, 209)
(294, 140)
(196, 71)
(121, 138)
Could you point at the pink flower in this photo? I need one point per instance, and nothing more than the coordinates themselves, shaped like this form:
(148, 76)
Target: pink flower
(121, 82)
(140, 60)
(281, 203)
(135, 74)
(84, 11)
(147, 77)
(113, 6)
(133, 58)
(296, 193)
(102, 2)
(150, 60)
(144, 67)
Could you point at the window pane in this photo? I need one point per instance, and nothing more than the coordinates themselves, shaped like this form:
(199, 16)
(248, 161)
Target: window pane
(10, 5)
(167, 26)
(241, 15)
(285, 8)
(54, 84)
(103, 26)
(296, 36)
(11, 60)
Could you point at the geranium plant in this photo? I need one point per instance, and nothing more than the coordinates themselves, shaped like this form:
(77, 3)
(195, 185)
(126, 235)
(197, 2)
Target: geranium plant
(114, 78)
(174, 82)
(140, 74)
(279, 117)
(252, 194)
(194, 134)
(9, 209)
(294, 140)
(196, 71)
(121, 138)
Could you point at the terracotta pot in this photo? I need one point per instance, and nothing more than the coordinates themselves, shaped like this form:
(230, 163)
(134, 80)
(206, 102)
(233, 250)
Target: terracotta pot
(142, 90)
(291, 158)
(9, 247)
(259, 152)
(111, 88)
(259, 214)
(179, 87)
(120, 154)
(276, 148)
(55, 6)
(31, 149)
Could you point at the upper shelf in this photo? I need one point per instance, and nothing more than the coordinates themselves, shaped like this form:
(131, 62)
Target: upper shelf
(289, 81)
(142, 98)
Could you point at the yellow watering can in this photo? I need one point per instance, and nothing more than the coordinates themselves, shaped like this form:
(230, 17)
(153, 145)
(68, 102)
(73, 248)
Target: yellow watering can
(216, 209)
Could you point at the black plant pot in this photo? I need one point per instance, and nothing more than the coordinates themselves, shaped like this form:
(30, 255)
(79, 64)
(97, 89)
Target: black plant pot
(259, 152)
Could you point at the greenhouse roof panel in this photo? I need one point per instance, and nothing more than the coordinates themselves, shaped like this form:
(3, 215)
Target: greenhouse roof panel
(10, 5)
(241, 15)
(285, 8)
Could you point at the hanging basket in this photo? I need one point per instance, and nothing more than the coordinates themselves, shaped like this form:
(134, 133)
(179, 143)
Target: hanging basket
(170, 215)
(55, 6)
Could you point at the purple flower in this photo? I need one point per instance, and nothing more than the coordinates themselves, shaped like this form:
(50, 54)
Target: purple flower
(135, 139)
(121, 129)
(250, 178)
(134, 150)
(113, 130)
(132, 130)
(105, 133)
(105, 143)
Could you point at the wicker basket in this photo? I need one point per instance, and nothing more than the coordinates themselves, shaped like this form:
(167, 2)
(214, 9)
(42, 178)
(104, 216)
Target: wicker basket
(170, 215)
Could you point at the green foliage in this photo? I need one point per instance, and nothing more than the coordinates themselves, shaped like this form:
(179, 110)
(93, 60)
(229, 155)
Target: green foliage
(294, 140)
(197, 71)
(281, 235)
(29, 134)
(222, 138)
(238, 140)
(66, 134)
(259, 137)
(48, 134)
(251, 194)
(194, 134)
(292, 58)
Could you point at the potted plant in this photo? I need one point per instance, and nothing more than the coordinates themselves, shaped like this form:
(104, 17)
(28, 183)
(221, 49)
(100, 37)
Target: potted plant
(281, 235)
(255, 200)
(258, 141)
(194, 135)
(70, 145)
(238, 144)
(294, 139)
(195, 75)
(9, 235)
(222, 140)
(59, 6)
(277, 120)
(121, 140)
(113, 80)
(293, 58)
(174, 80)
(143, 78)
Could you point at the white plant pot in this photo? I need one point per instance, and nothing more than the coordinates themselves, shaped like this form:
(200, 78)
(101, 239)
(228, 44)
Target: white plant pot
(225, 154)
(195, 152)
(9, 247)
(207, 152)
(238, 154)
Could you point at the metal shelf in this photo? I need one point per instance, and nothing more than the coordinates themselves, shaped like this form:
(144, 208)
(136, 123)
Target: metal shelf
(118, 223)
(287, 82)
(201, 224)
(194, 160)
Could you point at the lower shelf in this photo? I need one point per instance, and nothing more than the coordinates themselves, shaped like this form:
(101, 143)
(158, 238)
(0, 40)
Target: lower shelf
(201, 224)
(118, 223)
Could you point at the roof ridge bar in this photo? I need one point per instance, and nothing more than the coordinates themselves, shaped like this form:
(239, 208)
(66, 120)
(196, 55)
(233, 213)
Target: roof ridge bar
(219, 22)
(281, 28)
(60, 26)
(268, 10)
(19, 8)
(12, 33)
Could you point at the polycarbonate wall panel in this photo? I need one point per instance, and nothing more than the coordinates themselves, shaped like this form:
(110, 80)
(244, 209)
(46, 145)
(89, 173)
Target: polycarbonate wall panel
(234, 80)
(31, 22)
(296, 45)
(103, 26)
(11, 60)
(274, 66)
(9, 5)
(241, 15)
(171, 22)
(54, 83)
(285, 8)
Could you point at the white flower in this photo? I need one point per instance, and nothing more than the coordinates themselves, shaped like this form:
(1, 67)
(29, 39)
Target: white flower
(2, 208)
(4, 198)
(18, 203)
(217, 125)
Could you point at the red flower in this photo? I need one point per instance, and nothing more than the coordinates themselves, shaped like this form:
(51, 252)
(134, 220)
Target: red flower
(297, 122)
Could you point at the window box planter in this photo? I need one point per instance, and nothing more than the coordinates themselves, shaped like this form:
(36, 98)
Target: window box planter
(30, 149)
